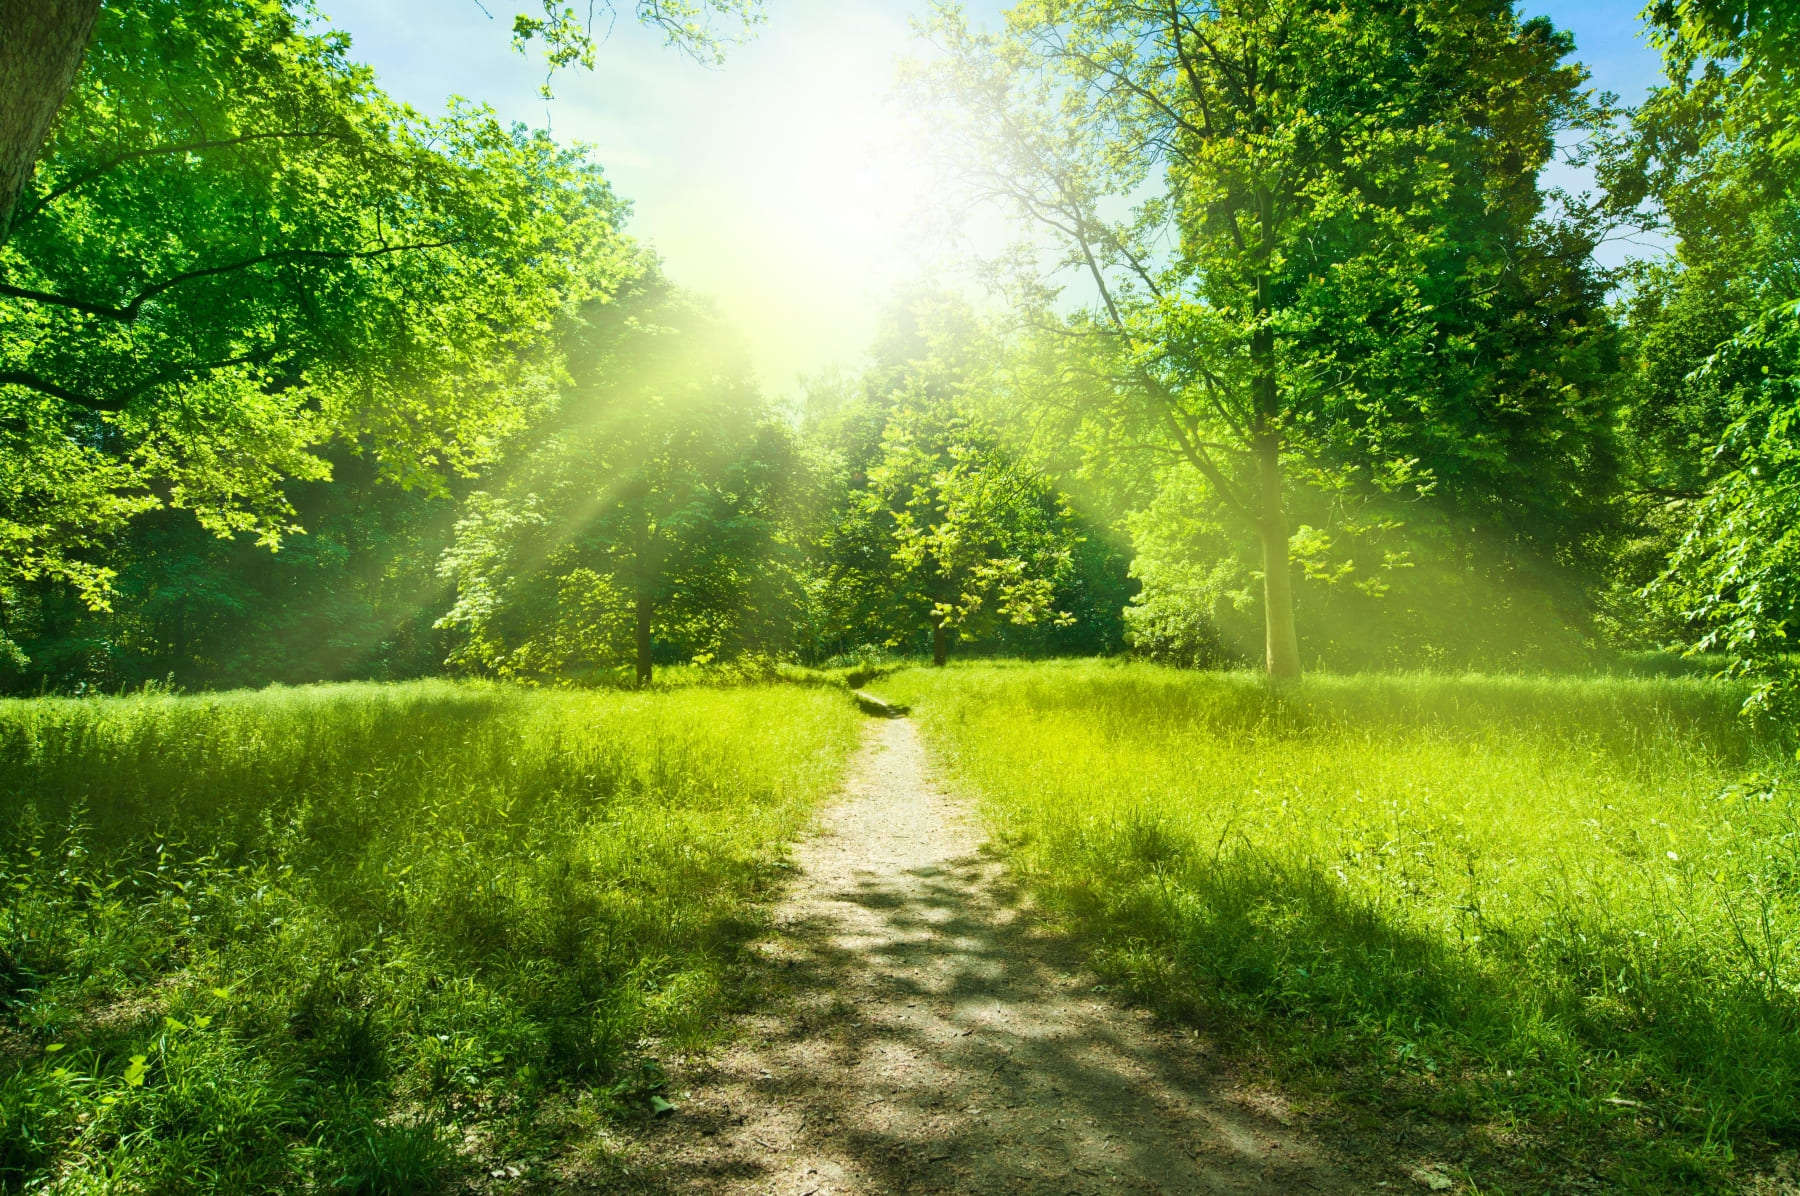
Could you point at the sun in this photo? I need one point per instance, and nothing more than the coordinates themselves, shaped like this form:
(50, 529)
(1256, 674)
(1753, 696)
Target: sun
(824, 205)
(839, 168)
(794, 187)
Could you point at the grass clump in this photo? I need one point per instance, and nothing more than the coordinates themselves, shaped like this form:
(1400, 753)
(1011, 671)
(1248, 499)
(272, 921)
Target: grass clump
(1564, 913)
(352, 938)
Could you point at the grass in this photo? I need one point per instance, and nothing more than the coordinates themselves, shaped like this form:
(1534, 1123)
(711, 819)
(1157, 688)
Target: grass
(1561, 914)
(366, 939)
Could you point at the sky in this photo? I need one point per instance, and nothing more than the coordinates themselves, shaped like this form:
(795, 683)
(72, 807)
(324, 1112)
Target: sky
(781, 182)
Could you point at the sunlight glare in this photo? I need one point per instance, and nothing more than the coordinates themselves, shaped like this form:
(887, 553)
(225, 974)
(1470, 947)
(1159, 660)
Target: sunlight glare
(834, 209)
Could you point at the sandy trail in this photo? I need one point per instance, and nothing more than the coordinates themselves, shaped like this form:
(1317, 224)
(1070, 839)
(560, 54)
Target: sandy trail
(926, 1035)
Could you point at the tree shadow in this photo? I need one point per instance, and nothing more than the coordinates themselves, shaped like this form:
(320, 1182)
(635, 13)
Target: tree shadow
(927, 1033)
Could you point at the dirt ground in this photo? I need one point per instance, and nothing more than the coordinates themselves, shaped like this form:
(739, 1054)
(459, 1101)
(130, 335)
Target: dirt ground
(927, 1035)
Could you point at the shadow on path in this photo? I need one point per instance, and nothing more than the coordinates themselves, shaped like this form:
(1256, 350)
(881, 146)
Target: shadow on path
(925, 1035)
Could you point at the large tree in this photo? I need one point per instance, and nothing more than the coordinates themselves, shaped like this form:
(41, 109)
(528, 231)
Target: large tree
(1312, 233)
(42, 43)
(237, 252)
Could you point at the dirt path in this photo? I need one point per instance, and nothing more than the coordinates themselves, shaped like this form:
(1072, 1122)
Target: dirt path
(927, 1036)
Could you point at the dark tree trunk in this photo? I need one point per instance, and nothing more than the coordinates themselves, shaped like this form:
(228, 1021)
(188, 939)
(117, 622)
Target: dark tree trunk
(41, 42)
(178, 663)
(644, 610)
(940, 645)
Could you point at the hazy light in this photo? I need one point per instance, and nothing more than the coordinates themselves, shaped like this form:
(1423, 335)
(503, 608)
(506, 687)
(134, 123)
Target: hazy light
(819, 211)
(782, 182)
(779, 183)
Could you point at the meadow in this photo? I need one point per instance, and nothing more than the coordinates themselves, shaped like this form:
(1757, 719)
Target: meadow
(1558, 913)
(367, 938)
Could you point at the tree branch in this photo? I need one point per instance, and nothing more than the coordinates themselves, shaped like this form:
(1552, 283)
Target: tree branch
(1137, 89)
(44, 386)
(130, 311)
(155, 151)
(124, 398)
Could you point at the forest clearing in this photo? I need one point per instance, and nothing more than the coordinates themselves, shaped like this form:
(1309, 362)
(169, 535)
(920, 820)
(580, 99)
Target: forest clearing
(1508, 933)
(880, 596)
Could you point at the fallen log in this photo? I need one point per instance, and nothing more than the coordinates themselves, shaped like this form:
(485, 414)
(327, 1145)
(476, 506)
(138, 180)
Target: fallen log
(868, 703)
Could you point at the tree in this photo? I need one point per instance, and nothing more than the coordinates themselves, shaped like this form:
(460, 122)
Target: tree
(237, 252)
(40, 53)
(1339, 200)
(1714, 411)
(43, 42)
(1709, 158)
(649, 508)
(1736, 572)
(943, 526)
(979, 537)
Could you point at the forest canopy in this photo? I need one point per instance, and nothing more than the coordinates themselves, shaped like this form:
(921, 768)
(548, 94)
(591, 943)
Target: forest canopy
(1298, 360)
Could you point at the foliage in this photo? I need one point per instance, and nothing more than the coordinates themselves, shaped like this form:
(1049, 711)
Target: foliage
(568, 35)
(355, 596)
(1380, 585)
(1195, 609)
(651, 505)
(1361, 280)
(237, 251)
(1757, 38)
(1736, 572)
(940, 514)
(979, 536)
(1551, 914)
(1708, 390)
(366, 937)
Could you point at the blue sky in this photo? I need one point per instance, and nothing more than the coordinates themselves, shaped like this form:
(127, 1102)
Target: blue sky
(779, 182)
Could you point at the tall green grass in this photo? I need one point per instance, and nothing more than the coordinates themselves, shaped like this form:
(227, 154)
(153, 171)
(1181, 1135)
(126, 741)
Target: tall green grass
(1565, 912)
(354, 938)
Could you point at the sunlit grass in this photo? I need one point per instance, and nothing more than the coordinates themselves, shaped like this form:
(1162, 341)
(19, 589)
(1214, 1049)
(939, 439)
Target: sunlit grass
(347, 937)
(1564, 909)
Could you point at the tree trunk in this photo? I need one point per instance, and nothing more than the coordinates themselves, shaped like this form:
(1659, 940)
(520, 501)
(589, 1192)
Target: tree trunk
(178, 660)
(1281, 644)
(643, 640)
(1281, 641)
(940, 644)
(41, 43)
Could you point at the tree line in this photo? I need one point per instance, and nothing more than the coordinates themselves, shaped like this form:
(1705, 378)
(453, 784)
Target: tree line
(1299, 363)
